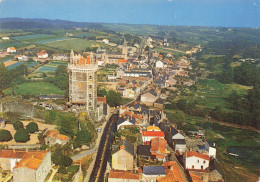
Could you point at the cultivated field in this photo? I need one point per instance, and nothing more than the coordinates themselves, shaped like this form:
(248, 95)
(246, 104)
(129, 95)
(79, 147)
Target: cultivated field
(76, 44)
(35, 88)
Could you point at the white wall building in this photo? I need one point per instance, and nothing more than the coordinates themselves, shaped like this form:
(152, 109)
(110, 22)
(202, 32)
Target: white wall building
(195, 160)
(211, 148)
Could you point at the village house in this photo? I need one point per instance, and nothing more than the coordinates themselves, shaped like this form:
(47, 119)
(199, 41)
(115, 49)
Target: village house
(22, 57)
(54, 137)
(105, 41)
(211, 148)
(158, 149)
(159, 64)
(147, 136)
(123, 155)
(33, 167)
(5, 38)
(11, 50)
(125, 121)
(152, 173)
(148, 98)
(122, 176)
(196, 161)
(173, 173)
(60, 57)
(159, 103)
(27, 166)
(153, 128)
(43, 54)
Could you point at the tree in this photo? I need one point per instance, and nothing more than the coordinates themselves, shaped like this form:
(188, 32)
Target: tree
(22, 136)
(18, 125)
(66, 125)
(32, 127)
(102, 92)
(66, 161)
(114, 98)
(61, 78)
(83, 137)
(3, 75)
(5, 135)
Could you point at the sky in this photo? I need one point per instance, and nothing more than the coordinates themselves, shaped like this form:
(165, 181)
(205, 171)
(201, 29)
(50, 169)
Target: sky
(225, 13)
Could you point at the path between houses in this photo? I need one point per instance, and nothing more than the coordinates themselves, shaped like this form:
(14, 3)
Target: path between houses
(54, 171)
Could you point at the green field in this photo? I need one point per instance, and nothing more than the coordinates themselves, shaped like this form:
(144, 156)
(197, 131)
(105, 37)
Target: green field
(76, 44)
(166, 51)
(211, 93)
(11, 43)
(35, 88)
(49, 69)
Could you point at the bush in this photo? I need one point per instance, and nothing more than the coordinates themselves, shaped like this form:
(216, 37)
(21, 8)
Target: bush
(18, 125)
(62, 170)
(5, 135)
(32, 127)
(22, 136)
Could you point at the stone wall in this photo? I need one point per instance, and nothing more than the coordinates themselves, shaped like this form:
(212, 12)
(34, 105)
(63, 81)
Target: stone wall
(24, 109)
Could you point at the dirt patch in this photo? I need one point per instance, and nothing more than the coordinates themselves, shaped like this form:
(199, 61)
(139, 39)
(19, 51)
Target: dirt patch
(9, 63)
(33, 137)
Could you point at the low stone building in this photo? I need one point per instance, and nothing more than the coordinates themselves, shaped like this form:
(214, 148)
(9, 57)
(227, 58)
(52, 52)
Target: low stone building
(54, 137)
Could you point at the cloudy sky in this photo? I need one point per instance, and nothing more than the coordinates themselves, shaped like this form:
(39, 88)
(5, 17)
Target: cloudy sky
(230, 13)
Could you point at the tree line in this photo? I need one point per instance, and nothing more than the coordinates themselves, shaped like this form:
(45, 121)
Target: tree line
(12, 77)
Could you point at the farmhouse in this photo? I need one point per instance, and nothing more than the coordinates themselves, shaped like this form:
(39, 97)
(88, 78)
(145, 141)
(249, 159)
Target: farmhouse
(54, 137)
(11, 50)
(43, 54)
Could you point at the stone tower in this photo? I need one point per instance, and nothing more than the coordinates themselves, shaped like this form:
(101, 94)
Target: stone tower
(82, 82)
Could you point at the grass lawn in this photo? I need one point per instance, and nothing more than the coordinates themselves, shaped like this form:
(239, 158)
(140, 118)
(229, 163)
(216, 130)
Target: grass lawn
(35, 88)
(76, 44)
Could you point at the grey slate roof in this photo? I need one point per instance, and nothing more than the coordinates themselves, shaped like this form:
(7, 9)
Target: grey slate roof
(154, 170)
(144, 150)
(128, 147)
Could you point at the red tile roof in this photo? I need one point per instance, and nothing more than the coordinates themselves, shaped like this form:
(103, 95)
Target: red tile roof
(123, 175)
(158, 146)
(102, 99)
(196, 154)
(153, 133)
(30, 159)
(195, 178)
(122, 60)
(173, 174)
